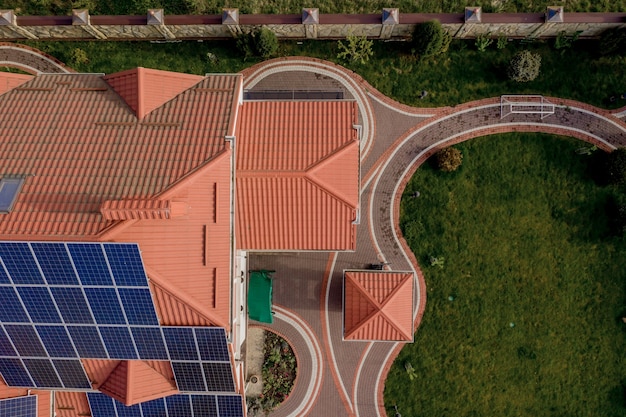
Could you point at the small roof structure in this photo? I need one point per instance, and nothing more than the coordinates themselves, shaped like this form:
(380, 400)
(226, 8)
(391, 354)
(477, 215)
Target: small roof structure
(378, 305)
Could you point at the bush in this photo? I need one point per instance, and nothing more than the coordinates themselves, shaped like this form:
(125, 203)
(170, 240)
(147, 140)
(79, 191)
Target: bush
(483, 41)
(449, 159)
(261, 42)
(266, 43)
(613, 41)
(78, 57)
(615, 167)
(430, 39)
(524, 66)
(357, 49)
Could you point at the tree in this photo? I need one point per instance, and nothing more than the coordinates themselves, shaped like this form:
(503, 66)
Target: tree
(449, 159)
(261, 42)
(357, 49)
(430, 39)
(524, 66)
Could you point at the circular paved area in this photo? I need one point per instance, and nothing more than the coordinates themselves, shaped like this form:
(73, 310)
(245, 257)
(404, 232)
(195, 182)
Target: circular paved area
(337, 378)
(396, 140)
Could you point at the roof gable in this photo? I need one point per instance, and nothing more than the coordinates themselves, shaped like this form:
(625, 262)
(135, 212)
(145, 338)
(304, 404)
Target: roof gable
(378, 305)
(9, 80)
(145, 90)
(133, 382)
(297, 175)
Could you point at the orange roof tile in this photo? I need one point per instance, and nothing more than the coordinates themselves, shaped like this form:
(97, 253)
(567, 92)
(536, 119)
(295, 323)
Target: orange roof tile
(9, 80)
(70, 404)
(145, 89)
(133, 382)
(78, 146)
(297, 176)
(378, 305)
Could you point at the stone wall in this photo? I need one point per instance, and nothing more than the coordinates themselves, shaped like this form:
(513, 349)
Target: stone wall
(390, 25)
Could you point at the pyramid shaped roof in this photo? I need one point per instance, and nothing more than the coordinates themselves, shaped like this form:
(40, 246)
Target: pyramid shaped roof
(378, 305)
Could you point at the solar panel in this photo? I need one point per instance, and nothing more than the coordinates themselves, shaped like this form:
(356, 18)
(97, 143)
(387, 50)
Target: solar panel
(230, 405)
(125, 411)
(118, 342)
(43, 373)
(14, 373)
(219, 376)
(154, 408)
(189, 376)
(204, 405)
(55, 263)
(20, 263)
(149, 343)
(56, 341)
(25, 340)
(181, 343)
(212, 344)
(138, 306)
(72, 304)
(87, 341)
(6, 349)
(126, 265)
(72, 373)
(11, 310)
(101, 405)
(105, 305)
(19, 407)
(90, 263)
(178, 406)
(39, 304)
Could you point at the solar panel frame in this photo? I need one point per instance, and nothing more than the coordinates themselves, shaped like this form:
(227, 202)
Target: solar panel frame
(19, 406)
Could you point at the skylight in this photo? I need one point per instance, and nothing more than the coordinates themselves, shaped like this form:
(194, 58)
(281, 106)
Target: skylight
(9, 188)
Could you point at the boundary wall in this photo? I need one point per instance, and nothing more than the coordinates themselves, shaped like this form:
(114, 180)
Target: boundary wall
(390, 24)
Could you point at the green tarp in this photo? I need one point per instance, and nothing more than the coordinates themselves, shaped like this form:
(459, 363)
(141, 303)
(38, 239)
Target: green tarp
(260, 296)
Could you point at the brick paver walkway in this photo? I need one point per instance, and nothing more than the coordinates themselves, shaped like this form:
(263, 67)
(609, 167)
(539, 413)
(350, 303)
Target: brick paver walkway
(337, 378)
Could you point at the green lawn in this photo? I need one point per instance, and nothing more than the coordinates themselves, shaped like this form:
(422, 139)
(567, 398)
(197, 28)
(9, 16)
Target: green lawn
(537, 281)
(463, 74)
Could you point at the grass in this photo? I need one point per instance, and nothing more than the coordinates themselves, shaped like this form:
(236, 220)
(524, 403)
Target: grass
(59, 7)
(525, 317)
(463, 74)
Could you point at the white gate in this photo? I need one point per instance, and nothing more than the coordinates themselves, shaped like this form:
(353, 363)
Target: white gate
(521, 104)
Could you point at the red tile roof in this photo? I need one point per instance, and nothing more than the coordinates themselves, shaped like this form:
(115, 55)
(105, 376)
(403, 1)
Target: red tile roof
(9, 81)
(378, 305)
(297, 175)
(146, 89)
(79, 145)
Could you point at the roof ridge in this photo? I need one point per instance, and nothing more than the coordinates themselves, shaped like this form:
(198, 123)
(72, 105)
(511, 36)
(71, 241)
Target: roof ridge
(390, 297)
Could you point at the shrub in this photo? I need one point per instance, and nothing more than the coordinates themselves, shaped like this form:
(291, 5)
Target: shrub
(613, 41)
(430, 39)
(261, 42)
(78, 57)
(615, 167)
(266, 43)
(502, 42)
(449, 159)
(357, 49)
(565, 41)
(483, 41)
(524, 66)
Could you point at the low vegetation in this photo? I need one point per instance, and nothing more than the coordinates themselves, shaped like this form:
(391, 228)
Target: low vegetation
(526, 317)
(524, 66)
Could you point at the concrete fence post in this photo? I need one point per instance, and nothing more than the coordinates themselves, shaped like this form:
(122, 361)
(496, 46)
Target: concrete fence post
(310, 20)
(473, 15)
(156, 18)
(230, 18)
(8, 18)
(391, 17)
(554, 17)
(80, 17)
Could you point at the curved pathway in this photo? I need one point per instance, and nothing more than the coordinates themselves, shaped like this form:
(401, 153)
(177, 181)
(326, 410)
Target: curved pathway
(396, 140)
(30, 60)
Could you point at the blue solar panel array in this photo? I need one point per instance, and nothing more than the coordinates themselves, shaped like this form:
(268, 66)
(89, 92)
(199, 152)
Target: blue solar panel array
(182, 405)
(19, 407)
(60, 302)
